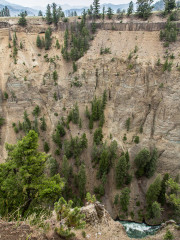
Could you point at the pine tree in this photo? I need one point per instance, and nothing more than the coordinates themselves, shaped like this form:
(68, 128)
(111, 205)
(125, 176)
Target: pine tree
(144, 8)
(121, 171)
(103, 13)
(124, 199)
(96, 8)
(48, 14)
(46, 147)
(150, 167)
(38, 42)
(55, 14)
(48, 39)
(22, 21)
(110, 13)
(24, 187)
(82, 181)
(130, 9)
(40, 14)
(162, 195)
(43, 124)
(153, 192)
(169, 5)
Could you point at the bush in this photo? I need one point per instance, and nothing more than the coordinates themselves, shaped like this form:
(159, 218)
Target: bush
(167, 66)
(6, 95)
(70, 217)
(105, 51)
(136, 139)
(169, 235)
(90, 199)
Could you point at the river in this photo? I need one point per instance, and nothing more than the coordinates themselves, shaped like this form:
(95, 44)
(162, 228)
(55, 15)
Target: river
(139, 230)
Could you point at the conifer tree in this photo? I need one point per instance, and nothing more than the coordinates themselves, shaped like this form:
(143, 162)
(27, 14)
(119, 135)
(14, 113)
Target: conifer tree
(162, 195)
(48, 14)
(124, 199)
(121, 171)
(82, 181)
(96, 8)
(22, 21)
(110, 13)
(43, 124)
(130, 9)
(55, 15)
(144, 8)
(169, 5)
(24, 187)
(40, 14)
(47, 39)
(38, 42)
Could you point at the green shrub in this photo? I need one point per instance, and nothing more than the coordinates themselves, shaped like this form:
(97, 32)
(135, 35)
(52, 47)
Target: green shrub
(83, 234)
(6, 95)
(169, 235)
(136, 139)
(57, 44)
(105, 51)
(71, 218)
(74, 67)
(167, 66)
(90, 199)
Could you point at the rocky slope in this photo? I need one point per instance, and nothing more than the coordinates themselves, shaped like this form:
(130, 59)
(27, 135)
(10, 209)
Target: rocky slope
(141, 92)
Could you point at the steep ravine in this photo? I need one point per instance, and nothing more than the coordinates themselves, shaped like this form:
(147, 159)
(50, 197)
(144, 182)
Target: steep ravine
(146, 95)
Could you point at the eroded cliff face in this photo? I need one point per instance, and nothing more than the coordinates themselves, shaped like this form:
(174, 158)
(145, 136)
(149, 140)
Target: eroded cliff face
(137, 89)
